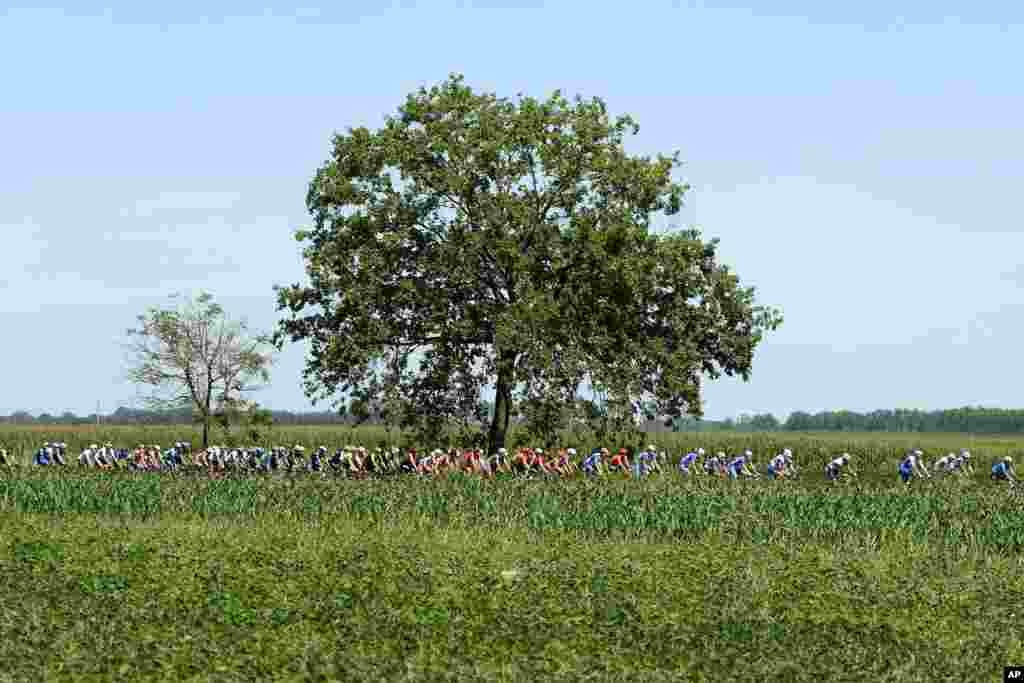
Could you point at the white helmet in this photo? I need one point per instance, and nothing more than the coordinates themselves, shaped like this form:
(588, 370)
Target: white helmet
(748, 453)
(700, 451)
(571, 451)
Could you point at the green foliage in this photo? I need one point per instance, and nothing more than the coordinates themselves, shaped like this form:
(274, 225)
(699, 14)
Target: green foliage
(230, 608)
(104, 584)
(238, 427)
(477, 241)
(967, 419)
(953, 512)
(38, 552)
(279, 598)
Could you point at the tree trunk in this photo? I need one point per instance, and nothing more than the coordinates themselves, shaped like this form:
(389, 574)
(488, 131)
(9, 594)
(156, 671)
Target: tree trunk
(502, 406)
(206, 412)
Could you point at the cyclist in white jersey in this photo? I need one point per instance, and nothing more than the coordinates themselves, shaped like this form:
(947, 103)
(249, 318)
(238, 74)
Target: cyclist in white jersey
(962, 464)
(86, 457)
(839, 467)
(945, 464)
(913, 466)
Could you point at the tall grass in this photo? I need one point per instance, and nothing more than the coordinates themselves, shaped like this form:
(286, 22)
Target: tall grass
(665, 508)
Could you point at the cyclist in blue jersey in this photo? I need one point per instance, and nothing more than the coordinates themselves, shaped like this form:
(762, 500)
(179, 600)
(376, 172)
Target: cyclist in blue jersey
(781, 466)
(689, 461)
(316, 459)
(592, 463)
(1003, 471)
(912, 466)
(646, 462)
(42, 456)
(652, 459)
(742, 466)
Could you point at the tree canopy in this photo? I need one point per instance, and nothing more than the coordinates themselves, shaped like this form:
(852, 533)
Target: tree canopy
(477, 242)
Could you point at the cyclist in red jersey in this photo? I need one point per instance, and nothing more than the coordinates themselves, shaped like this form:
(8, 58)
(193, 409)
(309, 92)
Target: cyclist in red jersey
(472, 461)
(537, 463)
(619, 462)
(521, 461)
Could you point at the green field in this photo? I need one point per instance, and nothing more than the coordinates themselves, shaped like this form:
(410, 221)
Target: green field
(114, 576)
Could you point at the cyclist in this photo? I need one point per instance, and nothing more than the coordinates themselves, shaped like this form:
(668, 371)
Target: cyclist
(838, 467)
(1003, 471)
(913, 466)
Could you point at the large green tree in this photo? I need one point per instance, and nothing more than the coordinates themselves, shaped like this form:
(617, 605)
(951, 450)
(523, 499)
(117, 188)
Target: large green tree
(477, 242)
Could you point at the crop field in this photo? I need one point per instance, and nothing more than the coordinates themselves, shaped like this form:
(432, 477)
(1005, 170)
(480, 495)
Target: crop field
(159, 576)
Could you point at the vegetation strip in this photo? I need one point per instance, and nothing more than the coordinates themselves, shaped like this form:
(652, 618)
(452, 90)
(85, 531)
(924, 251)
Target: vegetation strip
(278, 597)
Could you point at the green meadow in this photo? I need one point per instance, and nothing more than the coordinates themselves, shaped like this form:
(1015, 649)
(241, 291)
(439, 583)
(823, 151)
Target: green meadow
(118, 576)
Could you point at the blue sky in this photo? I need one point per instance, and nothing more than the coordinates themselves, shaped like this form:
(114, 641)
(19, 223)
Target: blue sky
(860, 163)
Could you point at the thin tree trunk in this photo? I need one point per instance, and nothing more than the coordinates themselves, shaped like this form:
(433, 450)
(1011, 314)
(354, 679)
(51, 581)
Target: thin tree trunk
(206, 412)
(502, 406)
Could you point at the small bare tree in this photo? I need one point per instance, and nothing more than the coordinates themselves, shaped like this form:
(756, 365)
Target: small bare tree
(194, 356)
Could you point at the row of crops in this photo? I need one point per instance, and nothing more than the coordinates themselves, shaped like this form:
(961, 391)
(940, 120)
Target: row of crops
(957, 512)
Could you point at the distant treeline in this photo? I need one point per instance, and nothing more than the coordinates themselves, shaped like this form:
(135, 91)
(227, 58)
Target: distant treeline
(974, 420)
(130, 416)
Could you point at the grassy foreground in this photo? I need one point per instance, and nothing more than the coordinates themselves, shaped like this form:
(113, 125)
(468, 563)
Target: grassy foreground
(161, 578)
